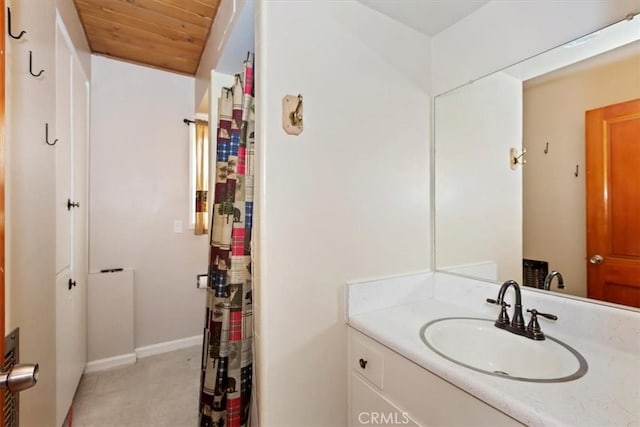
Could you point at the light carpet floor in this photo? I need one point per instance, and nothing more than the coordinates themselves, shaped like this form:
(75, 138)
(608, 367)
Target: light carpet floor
(156, 391)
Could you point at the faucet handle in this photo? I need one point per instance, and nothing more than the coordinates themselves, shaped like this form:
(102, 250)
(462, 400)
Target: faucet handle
(533, 328)
(503, 318)
(496, 302)
(535, 313)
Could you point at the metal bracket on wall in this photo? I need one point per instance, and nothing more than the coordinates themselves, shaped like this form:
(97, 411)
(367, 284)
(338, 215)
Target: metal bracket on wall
(201, 281)
(292, 114)
(516, 159)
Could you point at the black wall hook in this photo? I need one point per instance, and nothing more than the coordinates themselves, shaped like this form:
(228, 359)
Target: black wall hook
(22, 33)
(31, 66)
(46, 137)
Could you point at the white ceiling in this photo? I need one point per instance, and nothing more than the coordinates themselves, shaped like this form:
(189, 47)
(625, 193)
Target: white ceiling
(426, 16)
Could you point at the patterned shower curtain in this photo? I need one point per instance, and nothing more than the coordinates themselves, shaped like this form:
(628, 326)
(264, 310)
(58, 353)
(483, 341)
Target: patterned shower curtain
(227, 366)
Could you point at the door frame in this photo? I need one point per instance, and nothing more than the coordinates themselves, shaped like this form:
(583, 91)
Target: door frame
(2, 183)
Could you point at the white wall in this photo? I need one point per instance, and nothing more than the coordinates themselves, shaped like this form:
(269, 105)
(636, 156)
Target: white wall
(30, 197)
(476, 190)
(504, 32)
(139, 187)
(230, 38)
(347, 199)
(69, 14)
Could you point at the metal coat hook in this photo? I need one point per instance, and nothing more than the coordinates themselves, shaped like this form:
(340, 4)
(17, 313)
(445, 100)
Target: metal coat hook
(46, 135)
(517, 159)
(296, 115)
(22, 33)
(292, 114)
(576, 173)
(546, 148)
(31, 66)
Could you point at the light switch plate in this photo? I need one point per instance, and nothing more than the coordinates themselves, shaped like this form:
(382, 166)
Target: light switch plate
(177, 226)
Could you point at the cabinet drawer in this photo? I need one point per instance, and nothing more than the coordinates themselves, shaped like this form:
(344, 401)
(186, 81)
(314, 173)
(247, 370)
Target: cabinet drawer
(367, 407)
(367, 361)
(423, 396)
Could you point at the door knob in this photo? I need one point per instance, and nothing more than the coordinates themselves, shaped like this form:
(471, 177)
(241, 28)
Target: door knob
(71, 204)
(20, 377)
(596, 259)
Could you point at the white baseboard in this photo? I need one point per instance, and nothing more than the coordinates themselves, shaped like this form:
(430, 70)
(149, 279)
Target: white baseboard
(141, 352)
(165, 347)
(110, 362)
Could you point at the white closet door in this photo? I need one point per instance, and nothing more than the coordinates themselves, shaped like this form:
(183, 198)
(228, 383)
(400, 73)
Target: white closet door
(79, 244)
(62, 131)
(72, 108)
(64, 295)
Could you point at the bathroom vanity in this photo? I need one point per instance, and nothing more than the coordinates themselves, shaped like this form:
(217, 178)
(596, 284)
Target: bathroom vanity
(434, 348)
(386, 386)
(396, 379)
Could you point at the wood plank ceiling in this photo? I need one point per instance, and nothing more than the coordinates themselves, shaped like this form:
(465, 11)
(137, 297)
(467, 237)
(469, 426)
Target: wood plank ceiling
(165, 34)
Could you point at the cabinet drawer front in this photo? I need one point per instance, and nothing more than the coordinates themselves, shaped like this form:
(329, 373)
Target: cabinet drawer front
(426, 398)
(367, 361)
(370, 408)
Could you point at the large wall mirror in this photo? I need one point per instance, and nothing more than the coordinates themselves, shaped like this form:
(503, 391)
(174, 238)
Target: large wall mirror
(570, 203)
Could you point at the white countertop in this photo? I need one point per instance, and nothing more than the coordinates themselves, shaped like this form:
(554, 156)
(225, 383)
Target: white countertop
(608, 395)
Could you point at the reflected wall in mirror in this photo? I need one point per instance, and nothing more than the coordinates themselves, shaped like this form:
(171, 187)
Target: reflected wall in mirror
(496, 223)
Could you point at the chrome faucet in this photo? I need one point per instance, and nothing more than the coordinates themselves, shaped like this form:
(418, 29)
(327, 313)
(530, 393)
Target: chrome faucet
(549, 279)
(516, 325)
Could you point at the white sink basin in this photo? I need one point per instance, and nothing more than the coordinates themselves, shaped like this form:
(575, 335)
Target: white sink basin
(477, 344)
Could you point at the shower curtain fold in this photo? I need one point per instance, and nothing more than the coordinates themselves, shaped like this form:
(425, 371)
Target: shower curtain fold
(227, 365)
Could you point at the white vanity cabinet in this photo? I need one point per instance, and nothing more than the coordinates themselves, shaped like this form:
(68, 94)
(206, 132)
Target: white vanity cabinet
(387, 389)
(367, 406)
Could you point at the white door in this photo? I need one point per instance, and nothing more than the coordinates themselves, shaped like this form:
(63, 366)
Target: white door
(64, 303)
(71, 222)
(79, 226)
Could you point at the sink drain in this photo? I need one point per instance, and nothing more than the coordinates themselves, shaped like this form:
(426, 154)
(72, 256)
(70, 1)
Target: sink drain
(501, 373)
